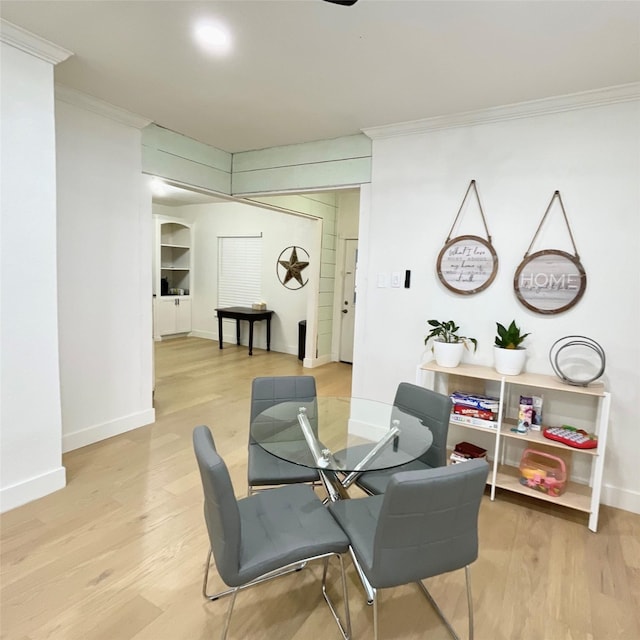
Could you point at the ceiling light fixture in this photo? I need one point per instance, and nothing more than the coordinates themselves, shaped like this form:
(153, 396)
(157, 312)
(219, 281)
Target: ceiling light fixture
(212, 37)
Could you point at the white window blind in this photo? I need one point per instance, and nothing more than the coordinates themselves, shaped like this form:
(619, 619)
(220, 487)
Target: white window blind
(239, 270)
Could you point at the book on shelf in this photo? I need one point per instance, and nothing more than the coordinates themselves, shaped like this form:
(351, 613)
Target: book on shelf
(475, 400)
(473, 422)
(456, 457)
(464, 451)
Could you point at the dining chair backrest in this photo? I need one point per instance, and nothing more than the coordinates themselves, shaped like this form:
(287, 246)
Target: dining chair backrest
(221, 512)
(269, 391)
(433, 410)
(428, 523)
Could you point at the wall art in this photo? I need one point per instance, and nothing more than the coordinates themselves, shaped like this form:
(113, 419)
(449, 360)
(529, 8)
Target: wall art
(550, 281)
(290, 264)
(467, 264)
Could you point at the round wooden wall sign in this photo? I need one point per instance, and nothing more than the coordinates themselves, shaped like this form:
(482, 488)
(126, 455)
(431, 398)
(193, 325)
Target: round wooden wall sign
(550, 281)
(467, 264)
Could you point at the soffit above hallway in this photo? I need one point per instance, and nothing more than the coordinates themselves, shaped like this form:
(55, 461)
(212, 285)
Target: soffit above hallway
(310, 70)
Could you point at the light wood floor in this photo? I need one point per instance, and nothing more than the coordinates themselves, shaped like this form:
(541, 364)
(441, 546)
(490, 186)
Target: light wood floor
(119, 553)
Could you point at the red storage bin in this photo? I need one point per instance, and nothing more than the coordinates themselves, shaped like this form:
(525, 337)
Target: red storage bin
(543, 472)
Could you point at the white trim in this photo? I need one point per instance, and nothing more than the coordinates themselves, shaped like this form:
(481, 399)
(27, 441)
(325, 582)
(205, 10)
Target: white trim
(620, 498)
(311, 363)
(544, 106)
(98, 432)
(32, 44)
(205, 335)
(18, 494)
(106, 109)
(210, 335)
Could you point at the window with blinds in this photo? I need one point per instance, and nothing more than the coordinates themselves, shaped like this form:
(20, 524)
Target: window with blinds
(239, 270)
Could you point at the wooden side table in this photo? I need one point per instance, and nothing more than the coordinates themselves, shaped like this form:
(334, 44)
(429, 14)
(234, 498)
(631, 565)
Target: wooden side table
(248, 314)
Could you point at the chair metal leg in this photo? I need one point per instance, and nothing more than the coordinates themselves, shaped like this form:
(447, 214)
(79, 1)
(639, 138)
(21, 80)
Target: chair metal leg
(375, 614)
(346, 633)
(467, 575)
(227, 619)
(221, 594)
(212, 596)
(345, 629)
(369, 590)
(437, 609)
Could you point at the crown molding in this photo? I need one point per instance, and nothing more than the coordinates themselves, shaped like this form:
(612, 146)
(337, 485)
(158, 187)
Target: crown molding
(545, 106)
(106, 109)
(32, 44)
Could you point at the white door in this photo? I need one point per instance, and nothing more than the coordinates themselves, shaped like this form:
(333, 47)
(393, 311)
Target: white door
(348, 314)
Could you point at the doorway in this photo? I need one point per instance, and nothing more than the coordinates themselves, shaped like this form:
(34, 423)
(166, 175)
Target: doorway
(349, 297)
(340, 221)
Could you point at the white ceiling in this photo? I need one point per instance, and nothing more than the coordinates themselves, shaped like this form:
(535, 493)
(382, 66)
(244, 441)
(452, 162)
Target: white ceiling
(305, 70)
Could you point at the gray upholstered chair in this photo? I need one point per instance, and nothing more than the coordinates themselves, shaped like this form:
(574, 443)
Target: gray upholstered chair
(264, 469)
(425, 524)
(265, 535)
(433, 410)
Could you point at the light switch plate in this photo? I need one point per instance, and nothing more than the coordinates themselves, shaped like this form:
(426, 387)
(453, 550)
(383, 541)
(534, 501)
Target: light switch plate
(383, 280)
(395, 279)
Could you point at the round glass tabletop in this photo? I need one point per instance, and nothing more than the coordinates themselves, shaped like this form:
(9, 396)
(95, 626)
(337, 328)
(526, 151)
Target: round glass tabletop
(341, 434)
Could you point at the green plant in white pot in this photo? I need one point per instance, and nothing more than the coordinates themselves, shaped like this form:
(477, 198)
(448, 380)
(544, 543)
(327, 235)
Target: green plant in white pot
(447, 344)
(509, 355)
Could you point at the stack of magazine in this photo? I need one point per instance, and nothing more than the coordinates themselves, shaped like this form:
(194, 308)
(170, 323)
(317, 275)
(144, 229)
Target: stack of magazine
(475, 410)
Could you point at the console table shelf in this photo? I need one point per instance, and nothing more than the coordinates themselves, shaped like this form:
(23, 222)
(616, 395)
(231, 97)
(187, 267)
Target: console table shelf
(582, 496)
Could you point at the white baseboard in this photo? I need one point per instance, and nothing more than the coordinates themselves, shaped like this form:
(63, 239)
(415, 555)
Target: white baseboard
(310, 363)
(95, 433)
(624, 499)
(18, 494)
(171, 336)
(207, 335)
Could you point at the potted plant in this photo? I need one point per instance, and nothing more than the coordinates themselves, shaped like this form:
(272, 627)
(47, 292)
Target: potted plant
(447, 344)
(509, 355)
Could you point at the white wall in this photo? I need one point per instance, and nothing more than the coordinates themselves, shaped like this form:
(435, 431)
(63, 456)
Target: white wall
(320, 329)
(348, 215)
(104, 266)
(592, 157)
(279, 230)
(30, 425)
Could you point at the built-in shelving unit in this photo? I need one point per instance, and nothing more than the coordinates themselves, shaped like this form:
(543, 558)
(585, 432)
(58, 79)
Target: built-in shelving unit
(582, 496)
(175, 256)
(173, 272)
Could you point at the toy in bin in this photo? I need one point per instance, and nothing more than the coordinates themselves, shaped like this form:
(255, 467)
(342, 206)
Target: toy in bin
(543, 472)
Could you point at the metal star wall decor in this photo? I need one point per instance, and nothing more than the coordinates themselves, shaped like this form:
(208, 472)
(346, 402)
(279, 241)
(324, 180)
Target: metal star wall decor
(290, 269)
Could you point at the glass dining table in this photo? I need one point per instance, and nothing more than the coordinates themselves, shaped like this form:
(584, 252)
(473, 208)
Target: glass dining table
(341, 437)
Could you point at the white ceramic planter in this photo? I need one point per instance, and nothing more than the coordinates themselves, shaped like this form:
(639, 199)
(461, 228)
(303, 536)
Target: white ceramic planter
(509, 362)
(448, 354)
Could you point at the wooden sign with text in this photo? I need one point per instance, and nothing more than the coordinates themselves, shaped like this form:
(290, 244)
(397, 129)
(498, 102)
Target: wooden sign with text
(467, 264)
(550, 281)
